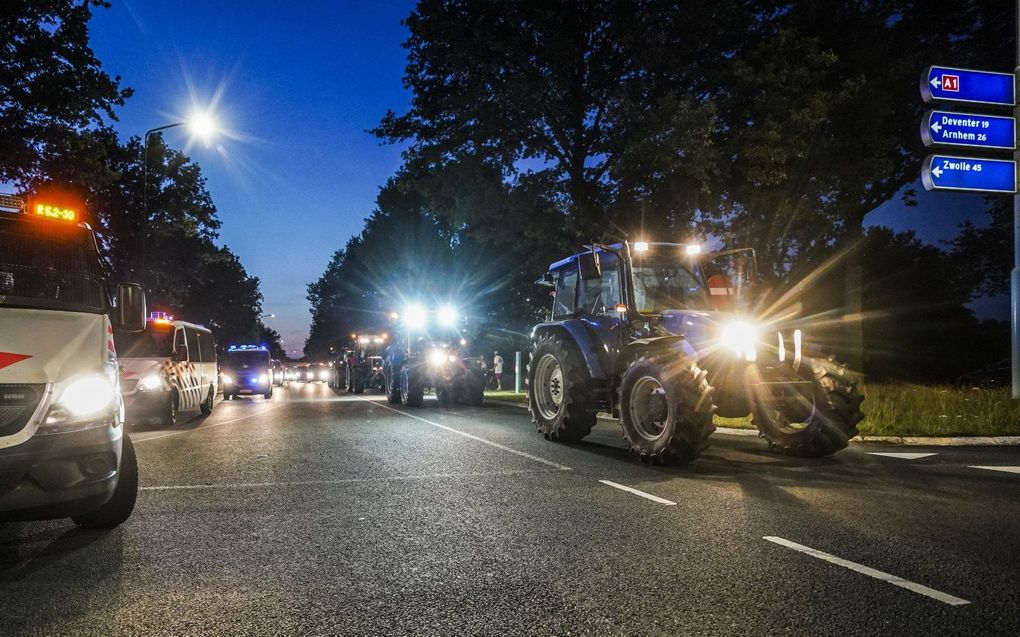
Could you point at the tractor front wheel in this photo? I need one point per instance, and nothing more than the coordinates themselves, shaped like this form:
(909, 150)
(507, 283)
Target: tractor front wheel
(666, 409)
(817, 421)
(560, 395)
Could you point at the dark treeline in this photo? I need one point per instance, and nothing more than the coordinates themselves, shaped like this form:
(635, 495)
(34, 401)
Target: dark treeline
(55, 137)
(535, 126)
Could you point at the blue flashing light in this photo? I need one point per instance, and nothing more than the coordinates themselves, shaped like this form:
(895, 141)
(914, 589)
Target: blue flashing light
(247, 348)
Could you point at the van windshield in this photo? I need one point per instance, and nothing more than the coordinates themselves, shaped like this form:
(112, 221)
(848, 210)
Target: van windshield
(50, 265)
(245, 360)
(149, 343)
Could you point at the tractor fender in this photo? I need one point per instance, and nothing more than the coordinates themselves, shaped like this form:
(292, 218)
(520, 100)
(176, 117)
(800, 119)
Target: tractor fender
(637, 347)
(577, 331)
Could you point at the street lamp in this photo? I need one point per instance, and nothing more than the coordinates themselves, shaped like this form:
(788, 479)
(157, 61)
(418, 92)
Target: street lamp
(267, 316)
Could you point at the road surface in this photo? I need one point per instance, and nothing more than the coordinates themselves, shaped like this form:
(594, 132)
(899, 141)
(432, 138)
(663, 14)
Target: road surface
(317, 513)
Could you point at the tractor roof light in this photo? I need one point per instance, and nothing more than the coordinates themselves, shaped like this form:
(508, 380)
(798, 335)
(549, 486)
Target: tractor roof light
(640, 246)
(693, 248)
(415, 317)
(447, 315)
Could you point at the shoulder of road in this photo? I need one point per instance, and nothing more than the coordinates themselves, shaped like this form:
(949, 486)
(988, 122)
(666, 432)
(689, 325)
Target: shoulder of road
(933, 441)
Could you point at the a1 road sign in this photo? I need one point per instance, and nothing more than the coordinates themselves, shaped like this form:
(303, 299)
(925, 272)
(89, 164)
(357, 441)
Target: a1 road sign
(969, 174)
(947, 128)
(947, 84)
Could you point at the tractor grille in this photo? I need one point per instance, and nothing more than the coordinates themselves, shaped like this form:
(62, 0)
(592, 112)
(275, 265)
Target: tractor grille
(17, 404)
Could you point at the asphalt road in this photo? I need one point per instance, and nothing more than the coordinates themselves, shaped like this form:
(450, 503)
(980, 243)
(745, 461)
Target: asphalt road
(313, 513)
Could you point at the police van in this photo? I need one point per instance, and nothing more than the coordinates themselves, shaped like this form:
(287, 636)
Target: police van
(247, 370)
(63, 450)
(168, 368)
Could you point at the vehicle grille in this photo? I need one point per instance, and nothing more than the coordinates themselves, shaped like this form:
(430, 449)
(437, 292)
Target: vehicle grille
(17, 404)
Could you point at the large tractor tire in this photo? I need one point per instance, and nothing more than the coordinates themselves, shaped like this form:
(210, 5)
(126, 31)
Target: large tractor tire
(817, 422)
(122, 503)
(393, 395)
(560, 394)
(411, 388)
(666, 408)
(472, 390)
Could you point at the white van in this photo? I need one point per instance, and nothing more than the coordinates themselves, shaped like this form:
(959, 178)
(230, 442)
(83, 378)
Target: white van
(63, 450)
(168, 368)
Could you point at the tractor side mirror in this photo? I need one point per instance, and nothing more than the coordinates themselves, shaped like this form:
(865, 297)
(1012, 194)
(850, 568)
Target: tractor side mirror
(589, 266)
(130, 311)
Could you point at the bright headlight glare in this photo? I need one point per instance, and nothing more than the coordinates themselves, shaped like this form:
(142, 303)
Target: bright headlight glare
(87, 396)
(150, 382)
(740, 337)
(227, 379)
(263, 379)
(437, 357)
(415, 316)
(447, 315)
(324, 375)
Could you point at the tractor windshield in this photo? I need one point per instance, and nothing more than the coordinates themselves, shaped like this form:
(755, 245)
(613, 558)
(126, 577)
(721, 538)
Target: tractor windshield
(661, 284)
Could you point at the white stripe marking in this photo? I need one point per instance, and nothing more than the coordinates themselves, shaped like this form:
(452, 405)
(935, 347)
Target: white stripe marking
(648, 496)
(1003, 469)
(203, 426)
(901, 456)
(308, 483)
(945, 598)
(472, 436)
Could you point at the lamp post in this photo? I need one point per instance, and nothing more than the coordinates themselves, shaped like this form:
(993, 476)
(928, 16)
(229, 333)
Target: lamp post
(202, 125)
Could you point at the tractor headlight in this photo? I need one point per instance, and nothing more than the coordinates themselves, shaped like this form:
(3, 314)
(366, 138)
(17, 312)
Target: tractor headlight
(324, 375)
(437, 357)
(741, 338)
(415, 317)
(447, 315)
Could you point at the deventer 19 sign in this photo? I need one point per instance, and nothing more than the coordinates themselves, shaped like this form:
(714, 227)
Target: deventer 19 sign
(946, 128)
(946, 84)
(970, 174)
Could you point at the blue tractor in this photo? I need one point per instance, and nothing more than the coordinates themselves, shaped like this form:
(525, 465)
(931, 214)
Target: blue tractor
(663, 336)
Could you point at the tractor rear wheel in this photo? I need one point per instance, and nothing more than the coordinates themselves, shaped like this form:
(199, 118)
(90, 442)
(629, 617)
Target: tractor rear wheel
(411, 388)
(560, 394)
(392, 382)
(666, 408)
(814, 423)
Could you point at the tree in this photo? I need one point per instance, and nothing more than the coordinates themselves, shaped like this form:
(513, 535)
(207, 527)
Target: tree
(52, 87)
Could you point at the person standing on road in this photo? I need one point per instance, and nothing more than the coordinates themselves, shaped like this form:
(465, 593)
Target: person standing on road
(497, 369)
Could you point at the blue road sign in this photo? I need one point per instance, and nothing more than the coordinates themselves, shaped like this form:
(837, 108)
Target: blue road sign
(969, 174)
(947, 128)
(946, 84)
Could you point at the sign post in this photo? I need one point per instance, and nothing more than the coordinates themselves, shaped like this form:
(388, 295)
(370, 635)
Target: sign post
(1014, 276)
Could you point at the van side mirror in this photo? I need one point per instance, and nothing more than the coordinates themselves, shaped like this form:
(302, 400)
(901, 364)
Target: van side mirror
(589, 266)
(130, 314)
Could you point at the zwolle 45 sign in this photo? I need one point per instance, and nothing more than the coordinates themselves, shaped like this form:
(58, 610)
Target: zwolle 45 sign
(969, 174)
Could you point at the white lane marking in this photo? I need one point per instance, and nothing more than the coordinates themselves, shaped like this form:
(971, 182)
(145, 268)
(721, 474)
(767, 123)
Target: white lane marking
(203, 426)
(648, 496)
(338, 481)
(991, 468)
(473, 437)
(901, 456)
(945, 598)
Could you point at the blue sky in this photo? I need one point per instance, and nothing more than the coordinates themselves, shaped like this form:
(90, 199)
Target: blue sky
(296, 88)
(297, 174)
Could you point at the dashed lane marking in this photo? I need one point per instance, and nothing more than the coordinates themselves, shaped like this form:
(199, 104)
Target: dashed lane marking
(901, 456)
(990, 468)
(338, 481)
(647, 496)
(945, 598)
(473, 437)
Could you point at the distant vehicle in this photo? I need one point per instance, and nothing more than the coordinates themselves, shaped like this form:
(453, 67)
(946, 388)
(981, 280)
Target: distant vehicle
(998, 374)
(354, 369)
(247, 370)
(279, 373)
(424, 356)
(63, 448)
(166, 369)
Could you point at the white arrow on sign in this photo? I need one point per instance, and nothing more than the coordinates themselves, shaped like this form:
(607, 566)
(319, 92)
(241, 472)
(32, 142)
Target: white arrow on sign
(936, 127)
(937, 171)
(936, 82)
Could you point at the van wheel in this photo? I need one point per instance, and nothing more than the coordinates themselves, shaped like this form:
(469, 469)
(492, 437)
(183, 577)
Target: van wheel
(268, 394)
(119, 507)
(169, 415)
(207, 404)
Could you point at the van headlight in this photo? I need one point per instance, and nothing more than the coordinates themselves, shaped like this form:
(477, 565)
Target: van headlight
(151, 382)
(741, 338)
(81, 403)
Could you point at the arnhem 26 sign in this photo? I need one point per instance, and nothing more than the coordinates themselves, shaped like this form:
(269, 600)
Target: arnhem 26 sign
(947, 128)
(969, 174)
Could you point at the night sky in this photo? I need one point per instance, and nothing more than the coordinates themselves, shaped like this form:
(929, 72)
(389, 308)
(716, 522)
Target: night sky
(295, 174)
